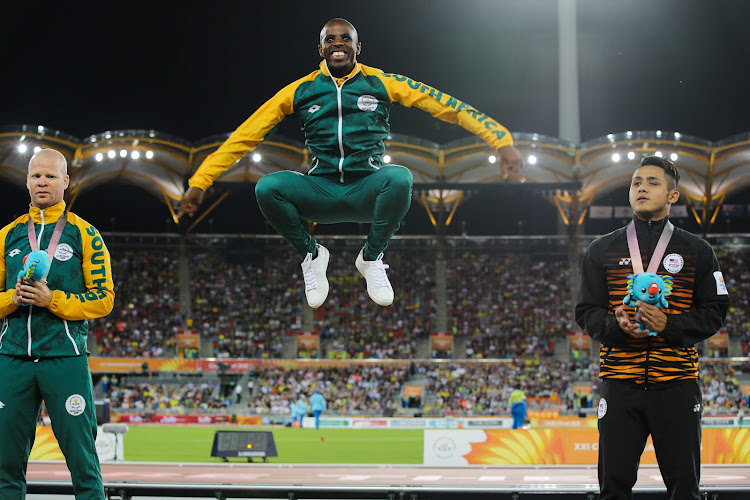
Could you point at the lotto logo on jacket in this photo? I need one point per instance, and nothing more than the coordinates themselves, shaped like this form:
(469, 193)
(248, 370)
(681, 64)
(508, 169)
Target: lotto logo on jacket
(80, 279)
(346, 121)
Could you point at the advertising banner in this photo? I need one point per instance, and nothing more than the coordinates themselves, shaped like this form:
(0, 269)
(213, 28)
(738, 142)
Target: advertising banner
(413, 390)
(580, 341)
(308, 344)
(135, 365)
(183, 419)
(188, 344)
(719, 340)
(560, 446)
(46, 446)
(441, 341)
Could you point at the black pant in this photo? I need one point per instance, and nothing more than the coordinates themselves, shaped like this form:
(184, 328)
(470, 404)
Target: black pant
(671, 413)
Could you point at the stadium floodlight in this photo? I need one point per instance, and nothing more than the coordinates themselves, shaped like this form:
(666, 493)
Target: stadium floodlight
(532, 160)
(492, 158)
(111, 153)
(99, 157)
(659, 154)
(677, 135)
(93, 138)
(40, 129)
(616, 157)
(149, 154)
(631, 156)
(123, 153)
(135, 155)
(37, 149)
(629, 133)
(658, 133)
(257, 157)
(22, 148)
(611, 137)
(386, 159)
(107, 135)
(673, 156)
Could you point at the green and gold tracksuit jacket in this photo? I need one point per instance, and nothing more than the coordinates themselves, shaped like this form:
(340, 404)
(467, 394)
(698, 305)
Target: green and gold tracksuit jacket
(697, 308)
(345, 121)
(80, 278)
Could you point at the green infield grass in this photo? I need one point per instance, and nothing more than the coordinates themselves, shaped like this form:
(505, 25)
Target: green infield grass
(167, 443)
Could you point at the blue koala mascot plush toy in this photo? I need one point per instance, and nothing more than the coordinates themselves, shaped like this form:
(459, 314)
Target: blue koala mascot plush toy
(35, 267)
(649, 288)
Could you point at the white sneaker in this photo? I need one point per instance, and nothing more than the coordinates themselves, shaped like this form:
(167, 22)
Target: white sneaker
(378, 287)
(314, 272)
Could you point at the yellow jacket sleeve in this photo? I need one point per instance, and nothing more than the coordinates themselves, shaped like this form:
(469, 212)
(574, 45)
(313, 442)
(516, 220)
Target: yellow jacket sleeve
(408, 92)
(247, 136)
(516, 397)
(6, 296)
(98, 300)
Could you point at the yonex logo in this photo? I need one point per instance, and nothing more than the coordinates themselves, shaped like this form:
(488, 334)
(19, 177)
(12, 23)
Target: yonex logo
(313, 108)
(697, 408)
(14, 252)
(625, 262)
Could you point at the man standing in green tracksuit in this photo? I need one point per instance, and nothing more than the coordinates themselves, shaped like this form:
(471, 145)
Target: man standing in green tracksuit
(43, 334)
(344, 110)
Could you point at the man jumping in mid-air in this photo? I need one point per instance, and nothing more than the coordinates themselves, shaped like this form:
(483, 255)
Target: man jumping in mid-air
(344, 110)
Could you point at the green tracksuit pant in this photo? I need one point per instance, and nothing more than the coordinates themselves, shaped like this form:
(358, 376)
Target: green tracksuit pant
(381, 198)
(65, 386)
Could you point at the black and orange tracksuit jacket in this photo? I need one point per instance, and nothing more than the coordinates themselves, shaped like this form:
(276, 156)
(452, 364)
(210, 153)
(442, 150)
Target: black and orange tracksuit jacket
(697, 307)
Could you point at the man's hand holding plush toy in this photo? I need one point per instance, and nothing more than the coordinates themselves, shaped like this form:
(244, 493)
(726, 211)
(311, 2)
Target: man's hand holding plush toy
(31, 285)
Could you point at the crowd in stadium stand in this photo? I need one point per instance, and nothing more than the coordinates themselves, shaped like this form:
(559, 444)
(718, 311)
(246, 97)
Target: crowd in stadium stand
(722, 392)
(735, 266)
(450, 389)
(245, 309)
(351, 326)
(177, 398)
(146, 314)
(484, 388)
(358, 390)
(502, 306)
(508, 306)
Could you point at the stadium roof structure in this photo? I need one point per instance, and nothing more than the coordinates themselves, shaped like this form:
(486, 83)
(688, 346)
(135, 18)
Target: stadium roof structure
(570, 176)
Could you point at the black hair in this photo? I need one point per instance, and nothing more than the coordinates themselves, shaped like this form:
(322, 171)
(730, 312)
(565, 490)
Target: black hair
(670, 170)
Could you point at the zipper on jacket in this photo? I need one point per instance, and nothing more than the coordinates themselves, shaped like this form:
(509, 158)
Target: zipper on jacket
(31, 306)
(341, 116)
(67, 332)
(28, 330)
(313, 166)
(2, 334)
(341, 130)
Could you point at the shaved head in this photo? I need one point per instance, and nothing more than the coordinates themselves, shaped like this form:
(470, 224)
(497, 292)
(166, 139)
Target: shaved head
(50, 157)
(337, 20)
(47, 179)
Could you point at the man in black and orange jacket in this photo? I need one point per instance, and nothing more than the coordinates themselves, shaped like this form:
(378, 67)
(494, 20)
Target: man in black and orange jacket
(650, 383)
